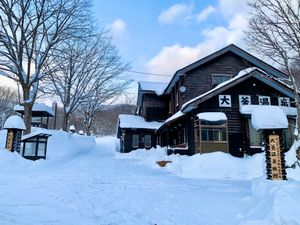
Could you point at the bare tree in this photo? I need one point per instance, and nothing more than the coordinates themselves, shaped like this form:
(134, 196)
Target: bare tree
(86, 73)
(274, 32)
(8, 99)
(29, 32)
(105, 92)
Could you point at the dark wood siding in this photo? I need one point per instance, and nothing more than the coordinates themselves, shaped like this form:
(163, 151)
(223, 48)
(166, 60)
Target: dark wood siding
(126, 144)
(237, 135)
(199, 81)
(154, 108)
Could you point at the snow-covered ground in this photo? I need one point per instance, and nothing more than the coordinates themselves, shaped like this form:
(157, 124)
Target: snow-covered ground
(87, 182)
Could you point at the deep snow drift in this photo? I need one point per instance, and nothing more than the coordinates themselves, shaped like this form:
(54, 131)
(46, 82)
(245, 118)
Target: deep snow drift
(84, 181)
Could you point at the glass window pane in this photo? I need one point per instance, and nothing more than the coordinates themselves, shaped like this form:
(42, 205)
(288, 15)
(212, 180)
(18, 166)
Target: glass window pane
(223, 135)
(41, 149)
(210, 135)
(216, 135)
(147, 140)
(204, 135)
(30, 149)
(135, 141)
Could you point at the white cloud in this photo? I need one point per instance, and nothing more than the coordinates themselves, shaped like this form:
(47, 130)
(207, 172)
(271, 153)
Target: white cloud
(171, 58)
(229, 8)
(118, 28)
(177, 12)
(205, 13)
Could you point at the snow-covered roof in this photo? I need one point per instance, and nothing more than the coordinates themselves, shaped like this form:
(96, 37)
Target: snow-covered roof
(36, 133)
(248, 109)
(14, 122)
(37, 107)
(175, 116)
(241, 74)
(230, 48)
(156, 87)
(133, 121)
(268, 117)
(212, 116)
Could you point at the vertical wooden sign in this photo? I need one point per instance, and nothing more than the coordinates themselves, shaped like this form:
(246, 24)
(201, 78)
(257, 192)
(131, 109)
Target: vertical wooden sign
(9, 140)
(275, 158)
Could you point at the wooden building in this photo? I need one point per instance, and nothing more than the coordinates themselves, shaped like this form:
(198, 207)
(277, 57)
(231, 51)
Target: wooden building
(134, 133)
(40, 114)
(207, 105)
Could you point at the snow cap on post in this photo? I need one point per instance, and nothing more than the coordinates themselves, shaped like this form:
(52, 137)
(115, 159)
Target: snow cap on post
(14, 122)
(72, 128)
(269, 117)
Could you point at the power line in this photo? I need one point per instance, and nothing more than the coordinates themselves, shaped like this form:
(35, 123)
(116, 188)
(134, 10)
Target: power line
(147, 73)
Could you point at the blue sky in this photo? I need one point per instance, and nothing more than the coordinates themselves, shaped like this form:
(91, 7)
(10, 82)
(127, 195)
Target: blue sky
(163, 36)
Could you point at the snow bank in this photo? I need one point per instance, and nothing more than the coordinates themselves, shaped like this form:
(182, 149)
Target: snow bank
(217, 165)
(144, 156)
(290, 159)
(107, 145)
(2, 138)
(63, 145)
(274, 202)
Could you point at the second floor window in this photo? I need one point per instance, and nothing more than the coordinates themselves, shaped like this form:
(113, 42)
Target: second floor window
(219, 78)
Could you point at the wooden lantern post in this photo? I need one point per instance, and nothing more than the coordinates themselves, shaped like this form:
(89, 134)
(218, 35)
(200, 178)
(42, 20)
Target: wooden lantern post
(14, 126)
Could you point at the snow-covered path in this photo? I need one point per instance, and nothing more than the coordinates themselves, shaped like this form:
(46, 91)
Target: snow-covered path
(97, 188)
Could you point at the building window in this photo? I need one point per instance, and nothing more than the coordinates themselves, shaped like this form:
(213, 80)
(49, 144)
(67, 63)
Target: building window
(254, 136)
(147, 141)
(135, 141)
(213, 134)
(180, 136)
(219, 78)
(210, 131)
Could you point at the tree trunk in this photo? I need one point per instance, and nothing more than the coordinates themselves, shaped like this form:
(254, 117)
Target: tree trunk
(28, 104)
(27, 117)
(65, 121)
(88, 129)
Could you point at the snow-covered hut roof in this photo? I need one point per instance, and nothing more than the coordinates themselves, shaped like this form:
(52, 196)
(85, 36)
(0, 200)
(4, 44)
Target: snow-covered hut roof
(14, 122)
(156, 87)
(133, 121)
(269, 117)
(36, 133)
(212, 116)
(38, 109)
(242, 75)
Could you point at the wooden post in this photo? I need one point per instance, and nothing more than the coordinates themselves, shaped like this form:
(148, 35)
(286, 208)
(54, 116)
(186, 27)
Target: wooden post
(274, 157)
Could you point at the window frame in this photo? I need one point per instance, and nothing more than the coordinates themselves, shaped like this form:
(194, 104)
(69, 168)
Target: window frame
(137, 142)
(198, 128)
(214, 75)
(148, 135)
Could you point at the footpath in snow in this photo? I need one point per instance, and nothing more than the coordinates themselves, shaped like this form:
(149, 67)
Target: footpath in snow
(87, 182)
